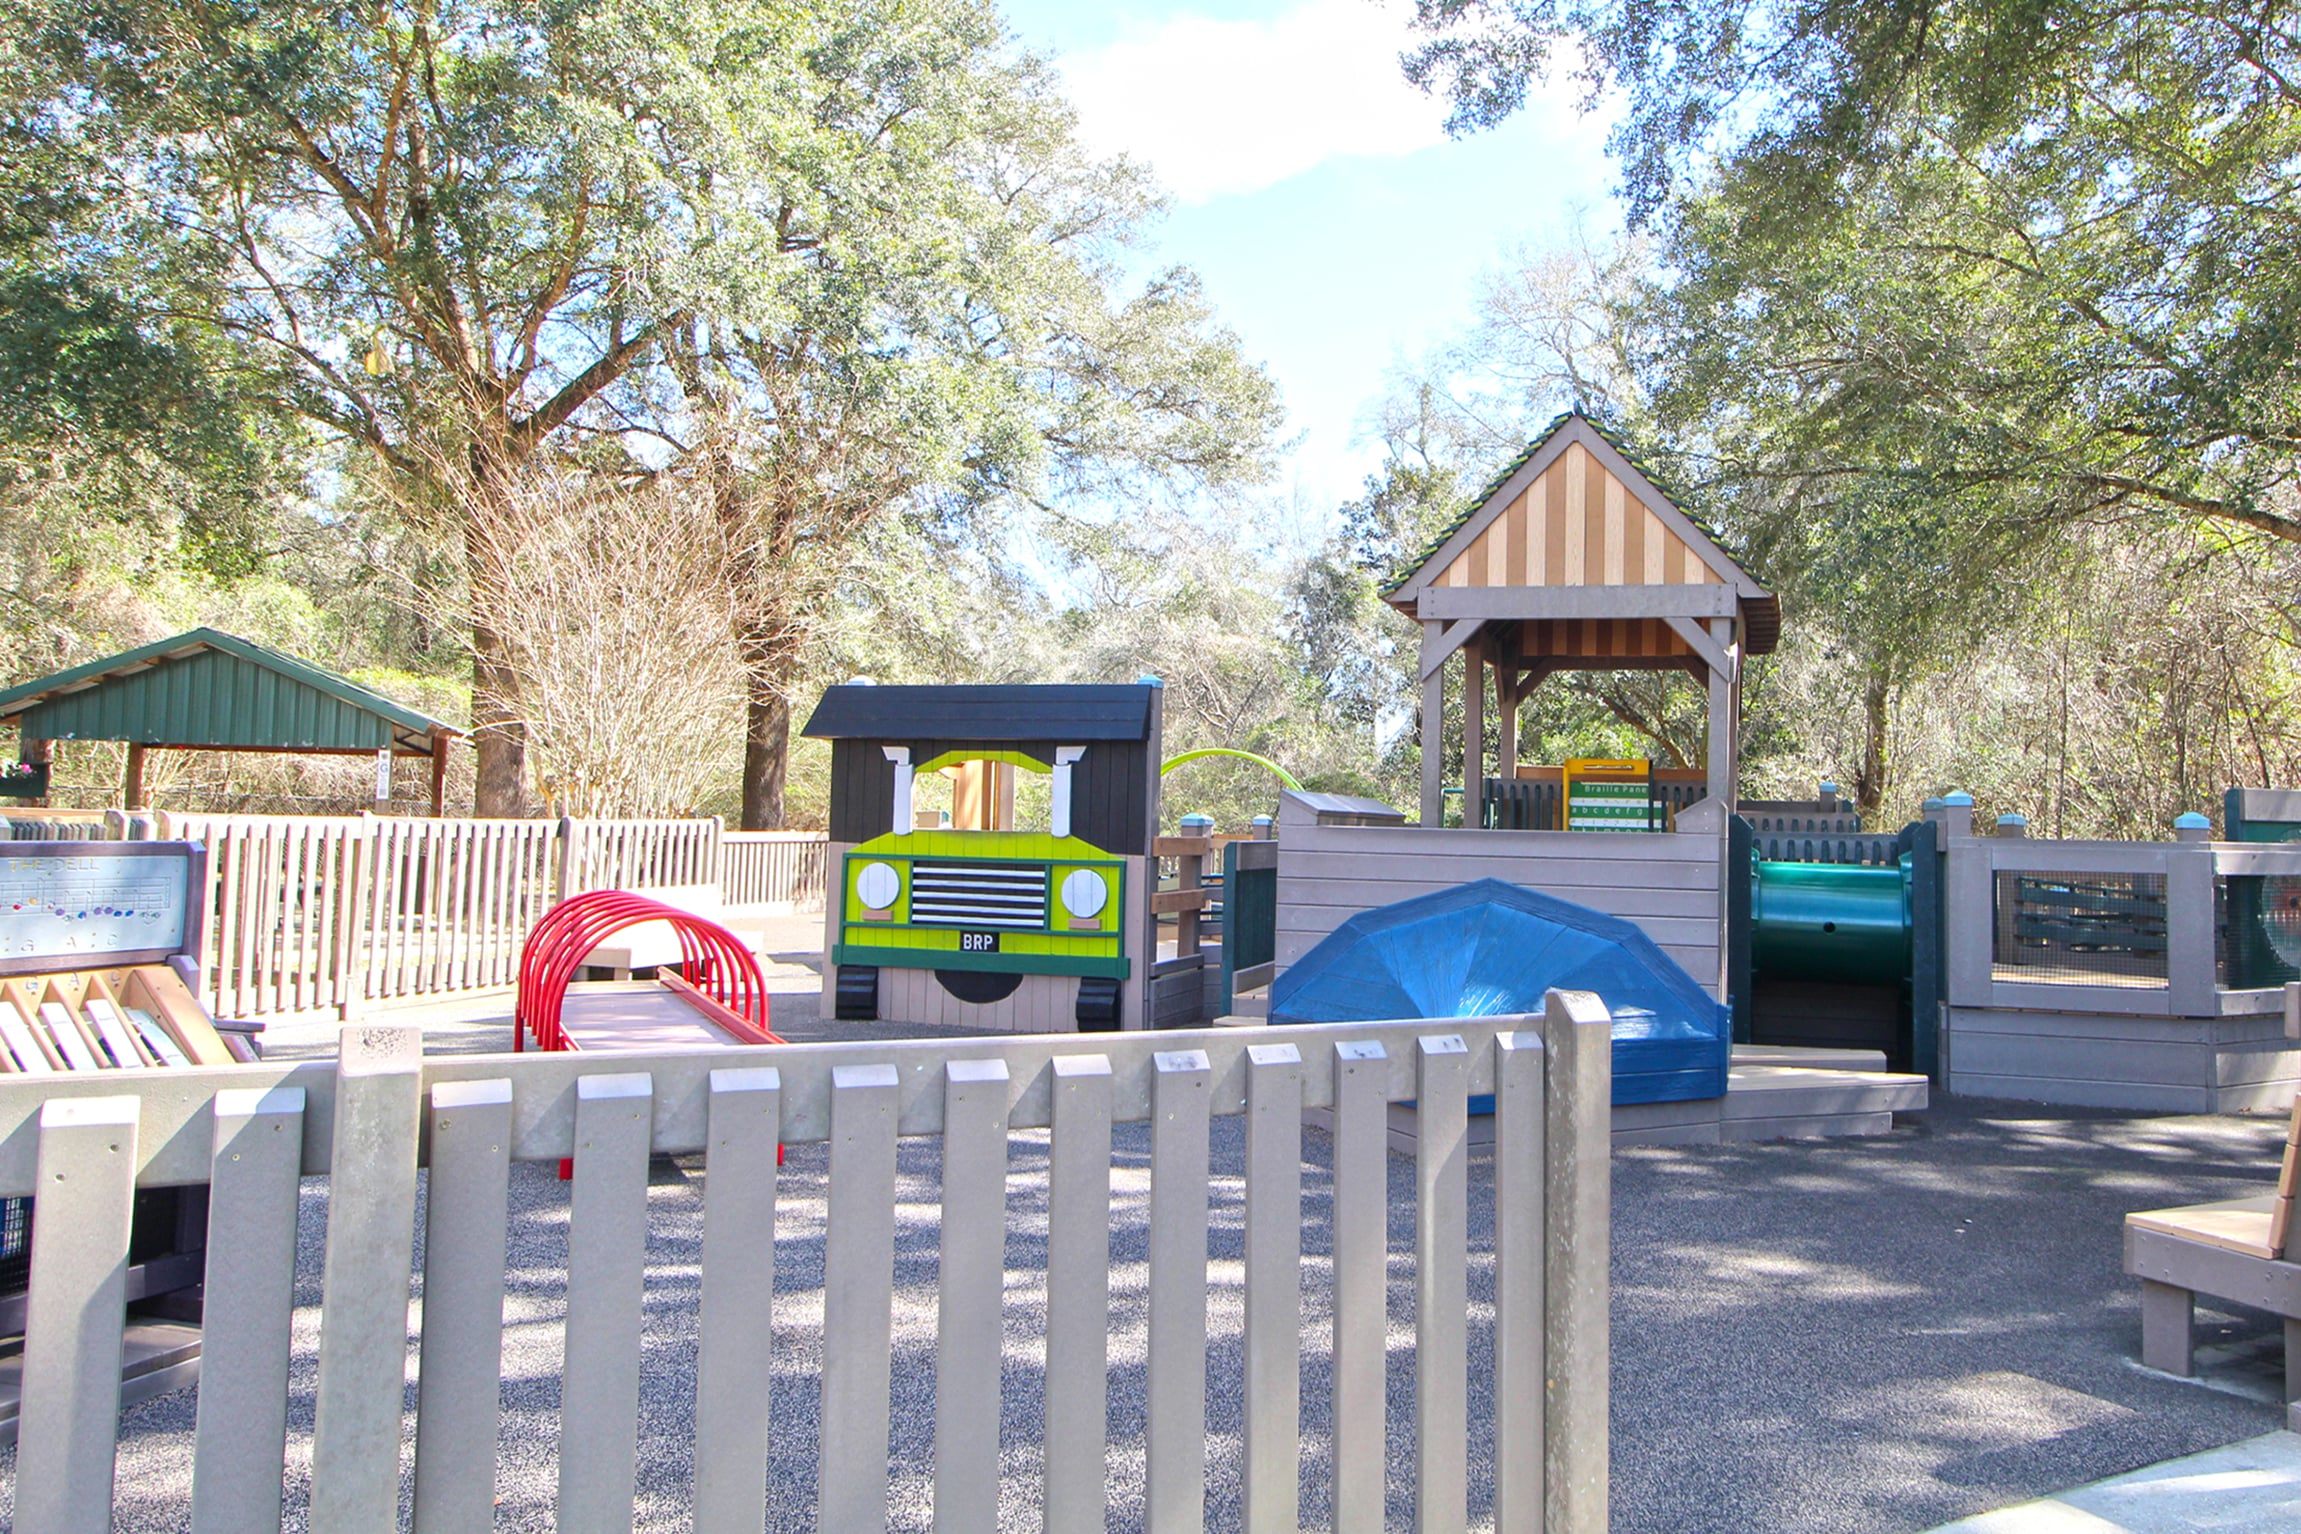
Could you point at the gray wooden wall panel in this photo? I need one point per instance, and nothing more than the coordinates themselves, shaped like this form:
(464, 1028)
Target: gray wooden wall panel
(2168, 1065)
(1971, 1021)
(2013, 1054)
(2083, 1094)
(1667, 884)
(1622, 898)
(1593, 870)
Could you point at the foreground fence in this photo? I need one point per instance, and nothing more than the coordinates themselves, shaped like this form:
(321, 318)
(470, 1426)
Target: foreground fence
(308, 911)
(252, 1131)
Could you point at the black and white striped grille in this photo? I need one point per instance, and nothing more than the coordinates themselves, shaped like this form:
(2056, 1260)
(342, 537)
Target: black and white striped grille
(978, 895)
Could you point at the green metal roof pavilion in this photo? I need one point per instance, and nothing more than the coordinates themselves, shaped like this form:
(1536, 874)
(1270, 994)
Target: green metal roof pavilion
(210, 691)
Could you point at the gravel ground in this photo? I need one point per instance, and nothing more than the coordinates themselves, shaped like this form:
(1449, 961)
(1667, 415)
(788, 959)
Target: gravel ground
(1854, 1335)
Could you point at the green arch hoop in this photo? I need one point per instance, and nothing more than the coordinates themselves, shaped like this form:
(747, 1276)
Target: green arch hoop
(1284, 776)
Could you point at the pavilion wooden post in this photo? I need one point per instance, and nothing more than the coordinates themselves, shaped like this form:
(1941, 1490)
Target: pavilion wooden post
(1723, 696)
(439, 745)
(132, 789)
(38, 752)
(1433, 728)
(1507, 697)
(1473, 732)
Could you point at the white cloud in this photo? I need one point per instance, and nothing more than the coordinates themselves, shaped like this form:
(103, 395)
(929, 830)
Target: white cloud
(1222, 107)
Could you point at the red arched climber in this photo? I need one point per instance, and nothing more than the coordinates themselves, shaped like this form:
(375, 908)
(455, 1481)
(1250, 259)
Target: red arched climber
(721, 977)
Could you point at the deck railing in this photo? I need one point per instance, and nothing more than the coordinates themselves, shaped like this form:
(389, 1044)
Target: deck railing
(777, 869)
(306, 912)
(2185, 928)
(1538, 1352)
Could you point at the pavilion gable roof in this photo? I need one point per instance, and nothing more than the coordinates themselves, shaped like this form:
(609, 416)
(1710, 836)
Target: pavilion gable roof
(209, 689)
(1574, 518)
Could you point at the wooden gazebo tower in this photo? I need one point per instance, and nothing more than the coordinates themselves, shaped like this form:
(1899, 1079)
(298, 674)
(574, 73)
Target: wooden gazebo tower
(1573, 560)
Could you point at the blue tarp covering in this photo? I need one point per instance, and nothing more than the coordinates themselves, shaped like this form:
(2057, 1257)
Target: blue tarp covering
(1489, 949)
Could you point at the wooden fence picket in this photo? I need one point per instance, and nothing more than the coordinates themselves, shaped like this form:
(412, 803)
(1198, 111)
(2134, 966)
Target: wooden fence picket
(253, 1131)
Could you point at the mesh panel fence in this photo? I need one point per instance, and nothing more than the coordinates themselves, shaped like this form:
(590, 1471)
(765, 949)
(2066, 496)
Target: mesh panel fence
(2081, 929)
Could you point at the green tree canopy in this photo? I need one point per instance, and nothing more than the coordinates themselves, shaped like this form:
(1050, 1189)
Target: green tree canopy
(2058, 238)
(464, 235)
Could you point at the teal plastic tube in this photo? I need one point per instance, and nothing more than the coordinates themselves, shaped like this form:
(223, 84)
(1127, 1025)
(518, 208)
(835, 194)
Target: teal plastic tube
(1830, 921)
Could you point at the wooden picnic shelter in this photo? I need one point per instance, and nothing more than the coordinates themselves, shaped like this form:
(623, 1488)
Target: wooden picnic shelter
(206, 690)
(1573, 559)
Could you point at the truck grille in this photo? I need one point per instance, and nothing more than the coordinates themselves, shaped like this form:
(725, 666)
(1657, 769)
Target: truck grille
(978, 895)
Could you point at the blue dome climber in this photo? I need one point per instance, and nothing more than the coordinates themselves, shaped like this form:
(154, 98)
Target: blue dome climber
(1488, 949)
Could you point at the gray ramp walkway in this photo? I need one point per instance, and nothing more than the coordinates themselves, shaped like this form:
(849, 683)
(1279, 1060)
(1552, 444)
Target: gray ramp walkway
(2254, 1487)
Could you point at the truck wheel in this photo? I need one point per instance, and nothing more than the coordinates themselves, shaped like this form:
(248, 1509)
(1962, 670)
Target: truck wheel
(1098, 1005)
(858, 994)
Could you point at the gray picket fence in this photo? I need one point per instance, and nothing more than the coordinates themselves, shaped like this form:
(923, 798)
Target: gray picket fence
(370, 1119)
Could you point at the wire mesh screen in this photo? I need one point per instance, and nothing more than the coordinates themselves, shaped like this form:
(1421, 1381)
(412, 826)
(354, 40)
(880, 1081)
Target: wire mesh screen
(15, 1244)
(2081, 929)
(2257, 930)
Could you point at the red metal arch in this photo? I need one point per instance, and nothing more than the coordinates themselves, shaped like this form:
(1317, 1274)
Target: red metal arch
(713, 961)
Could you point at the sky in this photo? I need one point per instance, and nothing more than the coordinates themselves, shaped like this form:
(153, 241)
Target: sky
(1338, 229)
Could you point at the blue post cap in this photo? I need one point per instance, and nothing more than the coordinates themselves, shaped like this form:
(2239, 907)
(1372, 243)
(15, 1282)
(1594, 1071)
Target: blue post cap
(1829, 788)
(2011, 819)
(1263, 820)
(1147, 680)
(861, 681)
(1200, 822)
(2191, 821)
(1931, 805)
(1957, 801)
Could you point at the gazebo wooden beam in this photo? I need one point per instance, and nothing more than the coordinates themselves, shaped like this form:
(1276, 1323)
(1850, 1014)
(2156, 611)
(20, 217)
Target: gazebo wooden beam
(1535, 603)
(132, 786)
(1439, 640)
(1716, 654)
(439, 745)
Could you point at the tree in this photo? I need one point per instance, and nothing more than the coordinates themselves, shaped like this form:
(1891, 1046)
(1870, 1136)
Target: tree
(950, 348)
(613, 625)
(469, 237)
(2059, 238)
(128, 450)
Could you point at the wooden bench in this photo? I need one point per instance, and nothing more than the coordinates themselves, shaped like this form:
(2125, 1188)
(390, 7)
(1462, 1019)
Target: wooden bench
(2244, 1250)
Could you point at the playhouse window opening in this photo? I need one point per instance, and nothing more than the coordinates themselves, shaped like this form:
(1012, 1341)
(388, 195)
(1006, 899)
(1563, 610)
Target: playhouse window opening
(984, 795)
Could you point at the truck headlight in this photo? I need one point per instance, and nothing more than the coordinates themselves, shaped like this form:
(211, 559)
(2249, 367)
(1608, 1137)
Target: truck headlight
(1084, 893)
(877, 885)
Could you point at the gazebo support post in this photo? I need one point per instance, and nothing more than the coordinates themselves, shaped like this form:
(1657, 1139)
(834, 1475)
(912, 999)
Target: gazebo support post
(132, 788)
(1473, 732)
(1433, 729)
(438, 776)
(1722, 699)
(1507, 697)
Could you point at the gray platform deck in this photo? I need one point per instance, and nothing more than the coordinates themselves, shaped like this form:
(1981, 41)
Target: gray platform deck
(156, 1358)
(1772, 1093)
